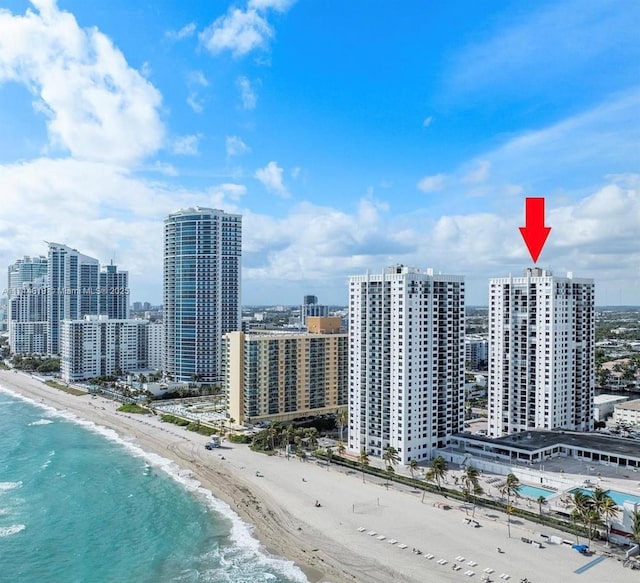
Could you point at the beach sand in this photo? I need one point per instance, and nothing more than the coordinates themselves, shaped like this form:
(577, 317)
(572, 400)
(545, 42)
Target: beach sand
(325, 541)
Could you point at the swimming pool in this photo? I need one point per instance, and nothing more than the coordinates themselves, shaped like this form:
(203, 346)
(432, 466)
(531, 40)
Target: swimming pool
(618, 497)
(534, 492)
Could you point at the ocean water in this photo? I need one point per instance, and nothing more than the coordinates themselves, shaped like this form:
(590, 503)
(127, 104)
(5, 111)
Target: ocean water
(77, 504)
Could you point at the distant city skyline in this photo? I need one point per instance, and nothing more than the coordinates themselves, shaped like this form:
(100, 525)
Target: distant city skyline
(403, 137)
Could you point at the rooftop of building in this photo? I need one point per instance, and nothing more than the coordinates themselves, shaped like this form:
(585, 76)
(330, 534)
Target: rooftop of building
(535, 440)
(630, 405)
(602, 399)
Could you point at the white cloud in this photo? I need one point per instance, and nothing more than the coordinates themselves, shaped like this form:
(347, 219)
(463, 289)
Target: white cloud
(197, 78)
(242, 31)
(247, 94)
(96, 106)
(185, 32)
(99, 209)
(278, 5)
(186, 145)
(478, 174)
(235, 146)
(433, 183)
(231, 191)
(427, 121)
(194, 103)
(271, 178)
(237, 31)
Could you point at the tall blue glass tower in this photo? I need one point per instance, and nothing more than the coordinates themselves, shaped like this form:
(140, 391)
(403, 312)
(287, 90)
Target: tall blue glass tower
(202, 260)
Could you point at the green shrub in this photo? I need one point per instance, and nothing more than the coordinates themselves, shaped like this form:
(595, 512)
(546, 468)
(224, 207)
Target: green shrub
(132, 408)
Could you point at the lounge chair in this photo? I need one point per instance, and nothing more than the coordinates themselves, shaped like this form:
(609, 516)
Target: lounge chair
(402, 546)
(362, 529)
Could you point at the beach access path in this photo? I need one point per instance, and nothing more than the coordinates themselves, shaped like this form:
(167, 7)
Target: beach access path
(335, 542)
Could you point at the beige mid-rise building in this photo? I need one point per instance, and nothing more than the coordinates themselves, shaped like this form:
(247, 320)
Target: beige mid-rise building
(279, 377)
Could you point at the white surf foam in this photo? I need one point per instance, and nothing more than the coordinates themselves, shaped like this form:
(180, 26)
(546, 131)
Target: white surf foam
(9, 530)
(40, 422)
(10, 485)
(241, 532)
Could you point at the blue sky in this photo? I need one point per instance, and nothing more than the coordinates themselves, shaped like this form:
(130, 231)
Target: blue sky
(350, 135)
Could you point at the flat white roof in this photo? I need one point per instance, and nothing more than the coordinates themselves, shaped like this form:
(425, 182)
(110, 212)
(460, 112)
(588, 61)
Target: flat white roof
(602, 399)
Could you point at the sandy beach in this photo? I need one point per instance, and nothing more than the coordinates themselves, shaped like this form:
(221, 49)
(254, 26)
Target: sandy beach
(335, 542)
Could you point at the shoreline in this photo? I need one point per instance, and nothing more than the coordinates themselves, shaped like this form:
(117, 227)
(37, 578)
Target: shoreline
(326, 543)
(164, 440)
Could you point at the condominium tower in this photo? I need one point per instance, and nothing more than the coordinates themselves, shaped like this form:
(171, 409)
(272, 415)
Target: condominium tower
(72, 279)
(541, 353)
(406, 356)
(202, 255)
(23, 271)
(281, 376)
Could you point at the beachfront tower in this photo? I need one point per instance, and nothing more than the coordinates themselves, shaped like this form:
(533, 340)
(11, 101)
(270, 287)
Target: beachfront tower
(541, 353)
(202, 255)
(406, 361)
(72, 281)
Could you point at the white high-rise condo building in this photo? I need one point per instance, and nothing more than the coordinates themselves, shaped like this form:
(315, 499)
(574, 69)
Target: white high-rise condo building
(72, 281)
(113, 294)
(202, 255)
(98, 346)
(406, 357)
(541, 353)
(23, 271)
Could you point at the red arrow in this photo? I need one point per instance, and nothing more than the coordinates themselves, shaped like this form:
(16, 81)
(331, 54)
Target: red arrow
(534, 232)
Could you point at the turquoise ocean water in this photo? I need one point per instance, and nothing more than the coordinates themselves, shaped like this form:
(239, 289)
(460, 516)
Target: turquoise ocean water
(77, 504)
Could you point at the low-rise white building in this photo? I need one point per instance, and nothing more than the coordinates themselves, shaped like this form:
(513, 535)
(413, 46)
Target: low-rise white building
(98, 346)
(628, 413)
(603, 405)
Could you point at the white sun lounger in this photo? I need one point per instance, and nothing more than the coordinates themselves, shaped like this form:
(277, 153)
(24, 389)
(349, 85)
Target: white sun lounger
(472, 563)
(381, 537)
(505, 576)
(469, 573)
(402, 546)
(393, 541)
(362, 529)
(429, 556)
(372, 533)
(488, 570)
(460, 558)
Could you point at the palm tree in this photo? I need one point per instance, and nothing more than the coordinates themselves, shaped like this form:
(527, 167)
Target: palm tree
(390, 472)
(390, 456)
(341, 448)
(608, 510)
(413, 468)
(471, 484)
(429, 477)
(439, 467)
(329, 457)
(342, 418)
(541, 500)
(582, 505)
(509, 488)
(635, 525)
(363, 459)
